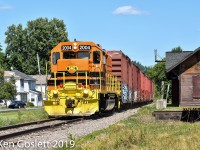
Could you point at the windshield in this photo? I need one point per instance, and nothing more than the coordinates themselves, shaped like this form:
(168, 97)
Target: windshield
(83, 55)
(13, 102)
(69, 55)
(74, 55)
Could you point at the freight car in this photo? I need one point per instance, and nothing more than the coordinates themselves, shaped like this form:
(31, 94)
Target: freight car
(85, 79)
(136, 87)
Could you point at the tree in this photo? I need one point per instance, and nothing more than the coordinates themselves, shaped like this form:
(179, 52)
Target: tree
(7, 88)
(3, 59)
(15, 41)
(177, 49)
(40, 36)
(140, 66)
(10, 88)
(157, 74)
(1, 80)
(1, 48)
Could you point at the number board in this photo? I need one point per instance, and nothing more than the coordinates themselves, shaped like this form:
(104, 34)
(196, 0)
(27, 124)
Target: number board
(66, 47)
(84, 47)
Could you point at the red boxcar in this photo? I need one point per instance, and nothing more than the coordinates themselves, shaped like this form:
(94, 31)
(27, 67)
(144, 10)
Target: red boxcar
(122, 68)
(141, 87)
(136, 83)
(135, 86)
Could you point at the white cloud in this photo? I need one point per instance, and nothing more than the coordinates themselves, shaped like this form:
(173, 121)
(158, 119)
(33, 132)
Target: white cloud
(5, 7)
(128, 10)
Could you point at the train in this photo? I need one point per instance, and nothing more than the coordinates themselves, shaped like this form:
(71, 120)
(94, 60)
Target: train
(86, 79)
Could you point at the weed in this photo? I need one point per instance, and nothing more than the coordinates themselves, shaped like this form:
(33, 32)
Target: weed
(141, 131)
(10, 118)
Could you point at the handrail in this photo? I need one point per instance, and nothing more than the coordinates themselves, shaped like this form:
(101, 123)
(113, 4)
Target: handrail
(77, 77)
(100, 79)
(86, 77)
(112, 83)
(63, 78)
(55, 86)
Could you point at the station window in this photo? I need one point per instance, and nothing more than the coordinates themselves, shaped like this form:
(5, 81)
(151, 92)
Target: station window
(96, 57)
(69, 55)
(83, 55)
(56, 56)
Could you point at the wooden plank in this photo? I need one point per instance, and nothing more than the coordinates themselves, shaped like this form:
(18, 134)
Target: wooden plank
(196, 87)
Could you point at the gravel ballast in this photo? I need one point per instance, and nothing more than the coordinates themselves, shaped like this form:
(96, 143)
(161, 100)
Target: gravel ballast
(61, 136)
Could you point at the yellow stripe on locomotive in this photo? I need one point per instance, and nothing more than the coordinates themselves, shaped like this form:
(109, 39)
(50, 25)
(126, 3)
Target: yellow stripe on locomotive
(81, 83)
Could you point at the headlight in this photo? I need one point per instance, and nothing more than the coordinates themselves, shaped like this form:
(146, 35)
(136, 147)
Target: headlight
(85, 93)
(55, 93)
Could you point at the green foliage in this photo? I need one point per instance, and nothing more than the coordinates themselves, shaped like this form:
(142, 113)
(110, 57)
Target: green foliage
(177, 49)
(1, 77)
(22, 116)
(1, 48)
(140, 66)
(29, 104)
(157, 74)
(40, 36)
(2, 84)
(7, 88)
(3, 59)
(142, 131)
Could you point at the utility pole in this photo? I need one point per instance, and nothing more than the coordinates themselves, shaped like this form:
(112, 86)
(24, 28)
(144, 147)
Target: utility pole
(40, 76)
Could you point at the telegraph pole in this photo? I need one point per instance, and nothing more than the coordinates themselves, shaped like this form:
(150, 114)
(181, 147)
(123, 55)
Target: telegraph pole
(40, 76)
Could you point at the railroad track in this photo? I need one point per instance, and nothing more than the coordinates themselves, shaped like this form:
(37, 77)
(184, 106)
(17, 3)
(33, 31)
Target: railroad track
(18, 130)
(27, 128)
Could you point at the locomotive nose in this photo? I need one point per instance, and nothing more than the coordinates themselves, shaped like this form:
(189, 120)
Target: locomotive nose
(71, 69)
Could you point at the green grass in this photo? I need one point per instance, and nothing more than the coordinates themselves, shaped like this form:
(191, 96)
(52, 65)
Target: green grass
(142, 131)
(22, 116)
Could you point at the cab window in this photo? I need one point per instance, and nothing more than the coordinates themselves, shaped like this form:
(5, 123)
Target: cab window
(83, 55)
(56, 56)
(96, 57)
(69, 55)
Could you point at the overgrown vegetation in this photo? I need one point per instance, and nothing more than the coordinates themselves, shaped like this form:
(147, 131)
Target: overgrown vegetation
(7, 88)
(29, 104)
(141, 131)
(22, 116)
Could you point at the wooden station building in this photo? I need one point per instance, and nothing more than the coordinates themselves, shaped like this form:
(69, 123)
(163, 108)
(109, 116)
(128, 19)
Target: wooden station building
(183, 68)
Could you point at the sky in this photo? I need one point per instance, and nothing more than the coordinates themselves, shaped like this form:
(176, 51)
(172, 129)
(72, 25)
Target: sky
(136, 27)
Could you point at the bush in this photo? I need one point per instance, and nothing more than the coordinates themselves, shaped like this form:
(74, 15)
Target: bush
(29, 104)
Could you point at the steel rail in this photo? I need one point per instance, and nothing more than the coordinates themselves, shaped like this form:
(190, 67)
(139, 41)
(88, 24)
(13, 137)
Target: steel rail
(25, 124)
(28, 131)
